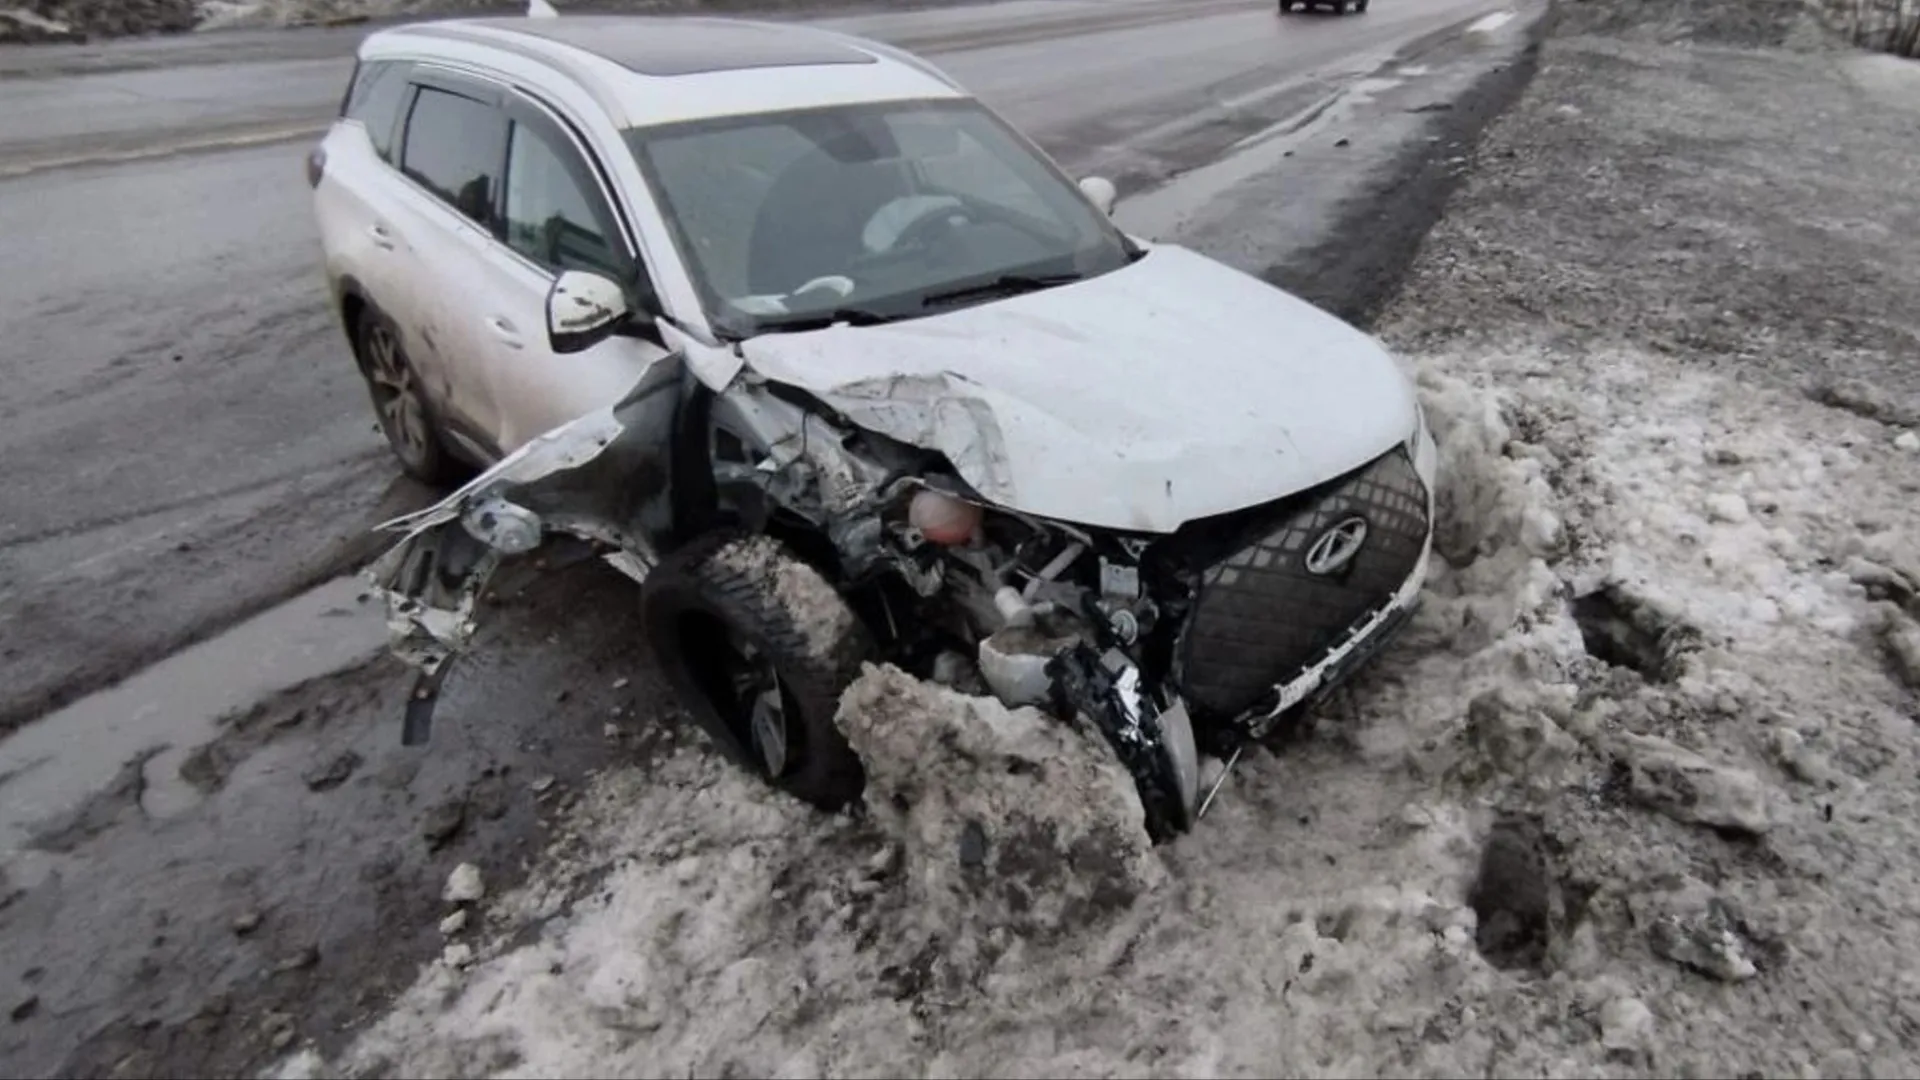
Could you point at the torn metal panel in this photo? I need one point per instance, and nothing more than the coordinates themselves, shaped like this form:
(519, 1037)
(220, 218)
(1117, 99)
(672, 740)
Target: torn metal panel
(604, 478)
(948, 413)
(565, 447)
(431, 581)
(716, 366)
(1105, 690)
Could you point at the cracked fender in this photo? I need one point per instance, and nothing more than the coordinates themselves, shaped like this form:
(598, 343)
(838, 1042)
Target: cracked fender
(604, 479)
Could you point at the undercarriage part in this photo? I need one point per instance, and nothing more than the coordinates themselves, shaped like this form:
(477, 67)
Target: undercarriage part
(1277, 605)
(1014, 661)
(503, 526)
(1156, 747)
(416, 726)
(1053, 569)
(1013, 608)
(943, 519)
(431, 592)
(1213, 788)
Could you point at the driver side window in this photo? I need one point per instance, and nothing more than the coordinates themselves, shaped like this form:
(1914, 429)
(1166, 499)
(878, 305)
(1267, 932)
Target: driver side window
(555, 215)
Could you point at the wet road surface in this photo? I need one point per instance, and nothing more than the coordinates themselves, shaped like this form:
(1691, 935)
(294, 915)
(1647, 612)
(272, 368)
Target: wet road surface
(189, 446)
(185, 437)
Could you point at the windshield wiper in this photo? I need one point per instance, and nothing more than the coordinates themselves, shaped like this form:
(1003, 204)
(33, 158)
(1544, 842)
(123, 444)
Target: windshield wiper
(1007, 284)
(850, 316)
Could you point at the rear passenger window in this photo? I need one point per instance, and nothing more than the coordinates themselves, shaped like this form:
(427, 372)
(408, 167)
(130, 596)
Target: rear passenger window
(374, 99)
(455, 147)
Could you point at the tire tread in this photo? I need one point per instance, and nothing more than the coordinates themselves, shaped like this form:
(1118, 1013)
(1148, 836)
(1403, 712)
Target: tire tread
(816, 672)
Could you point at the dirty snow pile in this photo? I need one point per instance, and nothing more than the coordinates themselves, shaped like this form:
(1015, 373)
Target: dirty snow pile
(1732, 847)
(1346, 907)
(40, 21)
(1633, 794)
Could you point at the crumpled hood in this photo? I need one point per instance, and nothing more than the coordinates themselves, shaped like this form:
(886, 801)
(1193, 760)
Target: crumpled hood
(1171, 389)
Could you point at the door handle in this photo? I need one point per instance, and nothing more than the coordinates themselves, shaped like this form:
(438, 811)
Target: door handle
(381, 237)
(504, 330)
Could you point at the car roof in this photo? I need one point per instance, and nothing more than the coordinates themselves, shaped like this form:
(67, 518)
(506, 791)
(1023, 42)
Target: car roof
(666, 47)
(649, 69)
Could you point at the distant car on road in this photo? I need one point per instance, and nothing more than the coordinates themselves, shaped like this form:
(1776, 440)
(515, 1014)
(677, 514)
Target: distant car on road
(1338, 7)
(791, 328)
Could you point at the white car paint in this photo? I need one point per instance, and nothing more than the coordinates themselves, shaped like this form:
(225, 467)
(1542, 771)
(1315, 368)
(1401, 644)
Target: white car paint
(1171, 389)
(1167, 390)
(449, 286)
(1147, 388)
(638, 100)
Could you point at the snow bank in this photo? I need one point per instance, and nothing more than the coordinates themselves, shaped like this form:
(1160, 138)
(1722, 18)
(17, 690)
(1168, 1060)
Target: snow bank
(1724, 805)
(1585, 795)
(37, 21)
(999, 910)
(20, 25)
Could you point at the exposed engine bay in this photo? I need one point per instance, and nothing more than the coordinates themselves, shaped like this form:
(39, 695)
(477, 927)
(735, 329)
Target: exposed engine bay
(1177, 646)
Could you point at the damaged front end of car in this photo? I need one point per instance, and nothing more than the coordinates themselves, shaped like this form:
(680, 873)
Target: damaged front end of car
(1178, 646)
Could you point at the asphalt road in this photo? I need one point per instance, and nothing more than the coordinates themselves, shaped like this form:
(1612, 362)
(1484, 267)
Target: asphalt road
(186, 441)
(189, 445)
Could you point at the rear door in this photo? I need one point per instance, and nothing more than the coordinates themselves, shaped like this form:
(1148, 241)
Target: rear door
(557, 214)
(355, 198)
(451, 157)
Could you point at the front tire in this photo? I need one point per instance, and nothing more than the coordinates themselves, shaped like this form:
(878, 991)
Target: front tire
(759, 646)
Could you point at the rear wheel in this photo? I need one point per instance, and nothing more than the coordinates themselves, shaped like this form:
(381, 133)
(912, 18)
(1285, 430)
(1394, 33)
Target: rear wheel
(400, 403)
(759, 646)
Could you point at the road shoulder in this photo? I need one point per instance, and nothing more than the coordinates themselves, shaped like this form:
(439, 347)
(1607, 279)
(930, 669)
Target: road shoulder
(1680, 274)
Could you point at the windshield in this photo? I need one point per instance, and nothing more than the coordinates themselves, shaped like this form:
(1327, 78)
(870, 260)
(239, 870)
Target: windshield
(868, 213)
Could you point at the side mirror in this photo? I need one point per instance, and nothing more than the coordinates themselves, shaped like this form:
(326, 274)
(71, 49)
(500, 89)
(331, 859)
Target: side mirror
(584, 309)
(1100, 191)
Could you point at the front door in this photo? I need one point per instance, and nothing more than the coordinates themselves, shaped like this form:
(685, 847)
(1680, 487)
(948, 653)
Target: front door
(555, 216)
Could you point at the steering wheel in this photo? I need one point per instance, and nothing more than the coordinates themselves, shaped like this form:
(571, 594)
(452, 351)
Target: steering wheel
(925, 230)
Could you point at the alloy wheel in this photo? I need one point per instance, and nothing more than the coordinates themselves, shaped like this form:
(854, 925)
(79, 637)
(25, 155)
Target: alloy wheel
(396, 397)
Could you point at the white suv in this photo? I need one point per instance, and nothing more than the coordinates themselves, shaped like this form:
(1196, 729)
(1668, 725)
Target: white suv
(792, 329)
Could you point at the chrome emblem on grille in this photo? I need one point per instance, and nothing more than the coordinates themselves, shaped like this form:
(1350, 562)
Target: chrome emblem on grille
(1334, 549)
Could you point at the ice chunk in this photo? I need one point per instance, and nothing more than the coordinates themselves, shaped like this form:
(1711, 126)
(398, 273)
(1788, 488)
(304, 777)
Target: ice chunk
(1900, 636)
(1688, 787)
(464, 885)
(1705, 945)
(1626, 1024)
(1728, 506)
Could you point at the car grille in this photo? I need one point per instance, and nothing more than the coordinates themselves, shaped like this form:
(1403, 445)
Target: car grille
(1261, 617)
